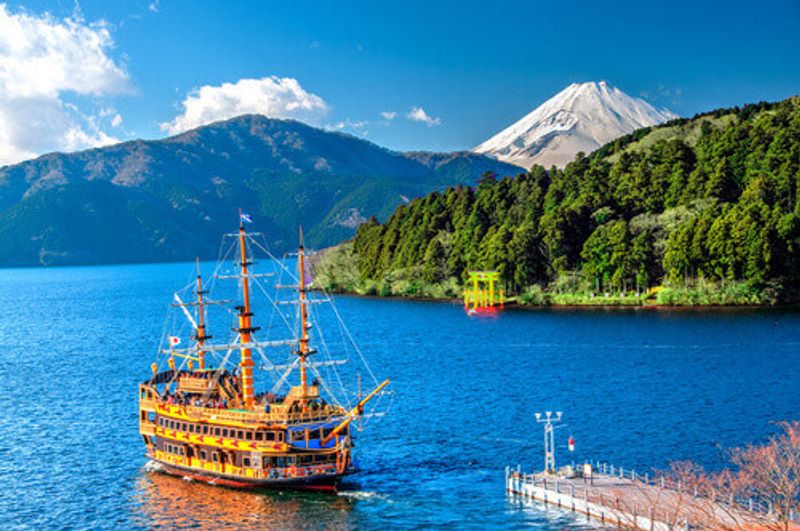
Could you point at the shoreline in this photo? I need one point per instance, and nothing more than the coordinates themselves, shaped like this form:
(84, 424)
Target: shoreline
(589, 307)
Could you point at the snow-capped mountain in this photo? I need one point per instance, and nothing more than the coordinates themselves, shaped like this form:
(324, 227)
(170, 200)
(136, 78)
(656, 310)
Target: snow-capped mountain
(582, 117)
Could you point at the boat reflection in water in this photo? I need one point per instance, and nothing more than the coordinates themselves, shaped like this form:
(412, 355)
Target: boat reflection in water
(169, 502)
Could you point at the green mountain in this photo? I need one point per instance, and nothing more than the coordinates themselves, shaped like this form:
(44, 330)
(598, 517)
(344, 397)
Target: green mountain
(708, 206)
(171, 199)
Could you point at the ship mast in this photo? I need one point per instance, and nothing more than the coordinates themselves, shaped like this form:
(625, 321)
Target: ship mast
(245, 327)
(304, 350)
(200, 330)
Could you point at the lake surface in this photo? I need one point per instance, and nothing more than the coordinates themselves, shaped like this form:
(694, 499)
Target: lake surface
(638, 388)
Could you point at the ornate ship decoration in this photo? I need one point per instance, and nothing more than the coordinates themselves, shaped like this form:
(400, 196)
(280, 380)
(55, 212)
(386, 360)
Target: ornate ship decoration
(203, 414)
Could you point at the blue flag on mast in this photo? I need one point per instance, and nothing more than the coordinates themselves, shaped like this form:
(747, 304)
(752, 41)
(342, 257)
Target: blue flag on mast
(245, 218)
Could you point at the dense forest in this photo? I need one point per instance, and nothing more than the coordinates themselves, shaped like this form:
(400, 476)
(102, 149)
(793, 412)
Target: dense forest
(709, 203)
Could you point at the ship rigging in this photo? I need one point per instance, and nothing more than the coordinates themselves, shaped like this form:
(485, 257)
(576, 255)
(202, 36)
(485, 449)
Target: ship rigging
(203, 412)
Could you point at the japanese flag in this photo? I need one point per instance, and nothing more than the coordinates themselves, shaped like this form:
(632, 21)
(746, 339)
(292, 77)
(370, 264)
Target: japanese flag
(174, 341)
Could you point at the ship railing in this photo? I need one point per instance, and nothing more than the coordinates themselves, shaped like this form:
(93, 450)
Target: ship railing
(257, 416)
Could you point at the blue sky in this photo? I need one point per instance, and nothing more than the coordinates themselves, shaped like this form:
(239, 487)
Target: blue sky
(471, 67)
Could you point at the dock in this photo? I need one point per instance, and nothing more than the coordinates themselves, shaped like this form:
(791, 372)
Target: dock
(624, 498)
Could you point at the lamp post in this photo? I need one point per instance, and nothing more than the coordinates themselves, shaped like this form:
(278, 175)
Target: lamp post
(549, 442)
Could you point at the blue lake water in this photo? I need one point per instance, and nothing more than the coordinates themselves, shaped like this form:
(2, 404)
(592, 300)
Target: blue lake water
(638, 388)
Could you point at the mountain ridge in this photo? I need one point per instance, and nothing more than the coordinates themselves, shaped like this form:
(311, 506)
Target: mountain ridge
(580, 118)
(169, 199)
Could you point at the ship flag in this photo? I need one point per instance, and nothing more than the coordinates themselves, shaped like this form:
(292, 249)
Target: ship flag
(245, 217)
(174, 341)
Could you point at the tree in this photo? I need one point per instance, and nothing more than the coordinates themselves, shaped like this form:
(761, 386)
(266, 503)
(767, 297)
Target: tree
(722, 183)
(434, 268)
(771, 473)
(766, 475)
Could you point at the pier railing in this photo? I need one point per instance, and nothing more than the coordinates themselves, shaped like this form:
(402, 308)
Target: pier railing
(655, 502)
(664, 482)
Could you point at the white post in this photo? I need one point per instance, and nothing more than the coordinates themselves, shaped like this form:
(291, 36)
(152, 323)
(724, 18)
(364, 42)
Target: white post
(549, 438)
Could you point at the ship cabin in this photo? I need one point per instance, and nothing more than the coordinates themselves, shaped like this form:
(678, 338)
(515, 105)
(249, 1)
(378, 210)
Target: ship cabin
(195, 420)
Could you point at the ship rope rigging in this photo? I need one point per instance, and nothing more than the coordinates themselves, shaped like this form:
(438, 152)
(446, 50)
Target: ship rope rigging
(284, 326)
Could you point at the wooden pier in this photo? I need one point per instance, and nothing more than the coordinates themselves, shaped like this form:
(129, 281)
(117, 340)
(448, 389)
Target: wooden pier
(626, 499)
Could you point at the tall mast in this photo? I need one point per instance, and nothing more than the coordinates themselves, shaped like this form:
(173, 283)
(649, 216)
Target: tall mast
(245, 327)
(200, 331)
(304, 351)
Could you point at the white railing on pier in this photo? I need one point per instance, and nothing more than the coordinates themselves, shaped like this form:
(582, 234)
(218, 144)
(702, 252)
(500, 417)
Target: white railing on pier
(660, 481)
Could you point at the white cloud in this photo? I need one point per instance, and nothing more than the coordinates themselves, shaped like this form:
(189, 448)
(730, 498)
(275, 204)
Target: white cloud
(41, 60)
(389, 115)
(271, 96)
(153, 6)
(355, 126)
(418, 114)
(349, 124)
(116, 121)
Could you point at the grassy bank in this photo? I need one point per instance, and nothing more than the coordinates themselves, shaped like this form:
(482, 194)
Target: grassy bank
(335, 271)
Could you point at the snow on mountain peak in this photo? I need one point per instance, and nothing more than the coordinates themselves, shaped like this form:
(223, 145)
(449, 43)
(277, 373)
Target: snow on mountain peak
(582, 117)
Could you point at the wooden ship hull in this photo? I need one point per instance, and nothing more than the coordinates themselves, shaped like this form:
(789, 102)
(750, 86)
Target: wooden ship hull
(301, 449)
(318, 482)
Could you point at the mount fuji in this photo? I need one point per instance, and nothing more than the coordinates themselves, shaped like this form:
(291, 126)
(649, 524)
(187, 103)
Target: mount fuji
(582, 117)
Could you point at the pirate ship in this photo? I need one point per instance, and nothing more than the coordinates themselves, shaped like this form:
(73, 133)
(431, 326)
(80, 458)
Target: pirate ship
(203, 415)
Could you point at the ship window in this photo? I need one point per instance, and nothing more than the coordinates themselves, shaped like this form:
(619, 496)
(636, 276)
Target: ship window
(225, 432)
(280, 436)
(203, 455)
(305, 459)
(240, 434)
(184, 427)
(205, 430)
(151, 416)
(248, 435)
(259, 436)
(270, 435)
(214, 456)
(183, 451)
(216, 431)
(172, 424)
(313, 434)
(246, 461)
(169, 448)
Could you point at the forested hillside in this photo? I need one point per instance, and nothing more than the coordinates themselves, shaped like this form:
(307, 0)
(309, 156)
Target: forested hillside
(171, 199)
(709, 203)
